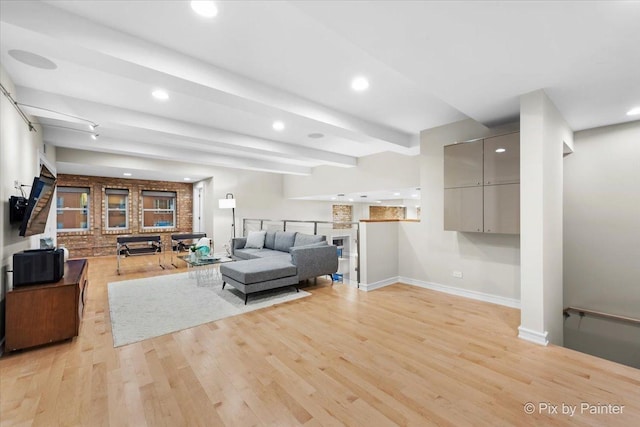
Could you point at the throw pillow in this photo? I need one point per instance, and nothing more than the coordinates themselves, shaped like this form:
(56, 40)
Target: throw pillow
(284, 240)
(307, 239)
(270, 239)
(255, 240)
(310, 245)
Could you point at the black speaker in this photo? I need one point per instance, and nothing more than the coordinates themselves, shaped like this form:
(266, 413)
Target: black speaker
(17, 207)
(37, 266)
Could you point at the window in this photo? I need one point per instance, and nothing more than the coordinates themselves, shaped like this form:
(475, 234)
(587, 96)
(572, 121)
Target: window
(158, 209)
(72, 209)
(116, 205)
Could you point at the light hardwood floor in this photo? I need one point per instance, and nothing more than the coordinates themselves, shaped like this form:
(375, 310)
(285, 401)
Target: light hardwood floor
(400, 355)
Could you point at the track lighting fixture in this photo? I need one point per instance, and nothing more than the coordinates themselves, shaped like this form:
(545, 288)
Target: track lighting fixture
(93, 125)
(93, 134)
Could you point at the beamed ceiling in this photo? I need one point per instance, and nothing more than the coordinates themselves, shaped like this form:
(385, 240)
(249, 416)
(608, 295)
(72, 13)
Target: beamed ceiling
(230, 77)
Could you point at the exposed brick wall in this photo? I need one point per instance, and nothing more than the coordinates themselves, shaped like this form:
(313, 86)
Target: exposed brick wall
(387, 212)
(98, 241)
(342, 213)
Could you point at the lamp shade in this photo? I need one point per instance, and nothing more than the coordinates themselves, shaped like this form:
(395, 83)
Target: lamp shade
(227, 203)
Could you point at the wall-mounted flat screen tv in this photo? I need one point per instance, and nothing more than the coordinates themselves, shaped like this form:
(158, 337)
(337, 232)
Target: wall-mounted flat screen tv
(39, 203)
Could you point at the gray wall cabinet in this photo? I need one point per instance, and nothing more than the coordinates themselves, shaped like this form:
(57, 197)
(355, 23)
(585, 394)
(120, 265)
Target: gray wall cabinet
(463, 209)
(482, 185)
(502, 159)
(463, 165)
(502, 208)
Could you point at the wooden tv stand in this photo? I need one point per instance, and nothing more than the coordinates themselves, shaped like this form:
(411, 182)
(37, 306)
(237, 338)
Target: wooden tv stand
(42, 314)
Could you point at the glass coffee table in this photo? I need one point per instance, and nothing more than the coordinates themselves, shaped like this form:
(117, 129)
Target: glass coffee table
(203, 268)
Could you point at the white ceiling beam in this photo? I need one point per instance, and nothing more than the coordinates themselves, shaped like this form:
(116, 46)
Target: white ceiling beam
(78, 140)
(105, 49)
(213, 140)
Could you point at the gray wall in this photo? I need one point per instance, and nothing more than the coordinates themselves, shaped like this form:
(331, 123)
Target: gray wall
(602, 239)
(490, 263)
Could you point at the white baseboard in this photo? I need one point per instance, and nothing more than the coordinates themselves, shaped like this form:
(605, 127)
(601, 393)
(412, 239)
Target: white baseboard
(533, 336)
(480, 296)
(380, 284)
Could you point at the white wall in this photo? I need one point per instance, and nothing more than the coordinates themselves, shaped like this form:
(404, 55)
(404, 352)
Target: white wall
(490, 263)
(602, 240)
(258, 196)
(384, 171)
(379, 249)
(20, 152)
(543, 135)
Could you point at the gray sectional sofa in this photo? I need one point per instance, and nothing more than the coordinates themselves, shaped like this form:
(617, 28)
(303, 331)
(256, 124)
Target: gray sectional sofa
(273, 259)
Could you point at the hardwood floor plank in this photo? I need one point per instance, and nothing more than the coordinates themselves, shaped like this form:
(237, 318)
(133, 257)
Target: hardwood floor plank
(401, 356)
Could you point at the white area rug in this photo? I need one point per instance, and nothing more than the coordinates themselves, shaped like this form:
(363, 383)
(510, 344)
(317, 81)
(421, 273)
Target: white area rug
(146, 308)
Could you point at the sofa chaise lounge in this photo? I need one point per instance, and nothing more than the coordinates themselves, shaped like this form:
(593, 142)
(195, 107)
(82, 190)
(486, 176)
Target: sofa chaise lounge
(274, 259)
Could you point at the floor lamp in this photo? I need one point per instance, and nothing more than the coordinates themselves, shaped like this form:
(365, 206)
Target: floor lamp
(229, 203)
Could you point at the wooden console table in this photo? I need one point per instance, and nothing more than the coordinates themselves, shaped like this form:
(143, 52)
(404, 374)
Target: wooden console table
(41, 314)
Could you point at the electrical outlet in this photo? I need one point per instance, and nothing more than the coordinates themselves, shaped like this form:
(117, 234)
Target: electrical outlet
(457, 274)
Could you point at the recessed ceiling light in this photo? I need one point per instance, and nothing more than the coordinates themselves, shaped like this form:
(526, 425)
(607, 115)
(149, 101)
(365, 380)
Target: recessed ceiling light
(500, 150)
(95, 136)
(396, 194)
(633, 111)
(315, 135)
(187, 179)
(208, 9)
(351, 200)
(333, 198)
(278, 125)
(160, 94)
(359, 84)
(32, 59)
(127, 174)
(378, 201)
(414, 195)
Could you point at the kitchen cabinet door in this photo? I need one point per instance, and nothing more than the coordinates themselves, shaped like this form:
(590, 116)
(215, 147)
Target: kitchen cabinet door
(502, 209)
(463, 164)
(463, 209)
(502, 159)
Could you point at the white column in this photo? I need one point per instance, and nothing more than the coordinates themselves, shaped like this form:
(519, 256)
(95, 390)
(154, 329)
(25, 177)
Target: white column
(544, 133)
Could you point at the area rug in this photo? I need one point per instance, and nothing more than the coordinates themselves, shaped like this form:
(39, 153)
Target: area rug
(146, 308)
